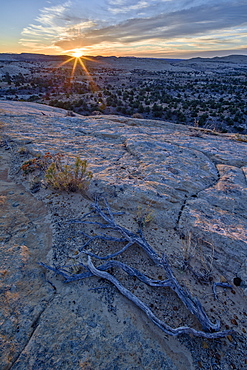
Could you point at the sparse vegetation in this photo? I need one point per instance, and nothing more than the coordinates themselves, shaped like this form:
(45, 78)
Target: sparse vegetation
(144, 216)
(23, 150)
(38, 163)
(200, 96)
(137, 115)
(70, 178)
(2, 199)
(58, 174)
(242, 138)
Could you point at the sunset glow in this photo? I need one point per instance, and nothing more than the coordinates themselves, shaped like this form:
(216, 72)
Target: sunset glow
(77, 53)
(78, 62)
(159, 29)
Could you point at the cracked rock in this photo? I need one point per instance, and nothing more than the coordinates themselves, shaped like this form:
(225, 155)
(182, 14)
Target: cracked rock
(192, 191)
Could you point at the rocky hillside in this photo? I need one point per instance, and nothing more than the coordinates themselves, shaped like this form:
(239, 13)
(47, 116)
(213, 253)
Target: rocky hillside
(185, 185)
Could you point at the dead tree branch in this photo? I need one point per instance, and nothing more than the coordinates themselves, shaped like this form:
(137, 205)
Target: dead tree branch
(223, 285)
(163, 326)
(210, 329)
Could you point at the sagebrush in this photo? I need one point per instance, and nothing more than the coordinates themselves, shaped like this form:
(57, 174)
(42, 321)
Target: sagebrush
(71, 178)
(59, 174)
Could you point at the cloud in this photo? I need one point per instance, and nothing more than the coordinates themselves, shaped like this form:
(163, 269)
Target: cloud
(194, 21)
(129, 23)
(54, 24)
(140, 5)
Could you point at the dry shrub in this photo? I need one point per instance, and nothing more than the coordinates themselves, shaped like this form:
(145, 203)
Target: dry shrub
(239, 137)
(137, 115)
(70, 178)
(58, 174)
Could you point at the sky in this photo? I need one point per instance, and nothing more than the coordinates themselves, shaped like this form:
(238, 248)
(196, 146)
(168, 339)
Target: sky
(142, 28)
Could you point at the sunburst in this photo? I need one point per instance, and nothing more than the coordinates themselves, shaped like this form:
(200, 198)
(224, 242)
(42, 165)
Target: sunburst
(77, 53)
(77, 57)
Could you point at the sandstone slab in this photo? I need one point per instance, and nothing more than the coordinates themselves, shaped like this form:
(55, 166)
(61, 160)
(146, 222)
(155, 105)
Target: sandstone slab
(191, 181)
(25, 238)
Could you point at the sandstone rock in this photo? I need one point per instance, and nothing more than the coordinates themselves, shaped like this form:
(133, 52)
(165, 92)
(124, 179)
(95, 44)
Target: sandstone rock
(87, 334)
(170, 168)
(191, 181)
(25, 238)
(218, 217)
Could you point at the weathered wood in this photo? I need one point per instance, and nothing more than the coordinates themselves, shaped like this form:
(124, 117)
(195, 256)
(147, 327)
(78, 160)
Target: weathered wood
(162, 325)
(210, 329)
(223, 285)
(192, 303)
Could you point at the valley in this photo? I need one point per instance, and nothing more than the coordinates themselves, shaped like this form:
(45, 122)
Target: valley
(200, 92)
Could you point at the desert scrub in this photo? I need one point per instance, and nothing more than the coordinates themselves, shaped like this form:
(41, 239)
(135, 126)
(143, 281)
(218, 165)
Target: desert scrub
(38, 163)
(70, 178)
(58, 174)
(30, 165)
(144, 216)
(23, 151)
(239, 137)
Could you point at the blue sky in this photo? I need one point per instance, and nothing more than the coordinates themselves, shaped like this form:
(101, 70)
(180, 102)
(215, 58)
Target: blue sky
(145, 28)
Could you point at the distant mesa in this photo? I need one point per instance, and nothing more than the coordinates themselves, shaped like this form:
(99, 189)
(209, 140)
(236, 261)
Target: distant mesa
(32, 57)
(242, 59)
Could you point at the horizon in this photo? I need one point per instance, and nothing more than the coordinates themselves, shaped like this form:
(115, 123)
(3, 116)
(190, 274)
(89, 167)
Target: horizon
(125, 28)
(126, 56)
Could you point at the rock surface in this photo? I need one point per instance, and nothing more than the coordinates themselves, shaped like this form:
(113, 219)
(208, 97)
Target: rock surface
(191, 181)
(25, 237)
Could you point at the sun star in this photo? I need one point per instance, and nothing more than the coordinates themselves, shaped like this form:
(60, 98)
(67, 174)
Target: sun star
(76, 57)
(76, 53)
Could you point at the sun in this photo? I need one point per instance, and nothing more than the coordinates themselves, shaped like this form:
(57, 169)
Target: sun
(76, 56)
(77, 53)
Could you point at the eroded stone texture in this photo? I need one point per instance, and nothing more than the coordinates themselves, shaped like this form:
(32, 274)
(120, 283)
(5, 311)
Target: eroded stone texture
(178, 172)
(87, 334)
(218, 217)
(25, 238)
(194, 184)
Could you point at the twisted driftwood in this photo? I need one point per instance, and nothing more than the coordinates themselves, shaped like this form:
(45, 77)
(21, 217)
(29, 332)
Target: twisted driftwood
(210, 330)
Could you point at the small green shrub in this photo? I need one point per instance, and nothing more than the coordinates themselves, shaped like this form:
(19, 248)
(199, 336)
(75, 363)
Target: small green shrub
(58, 175)
(70, 178)
(144, 216)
